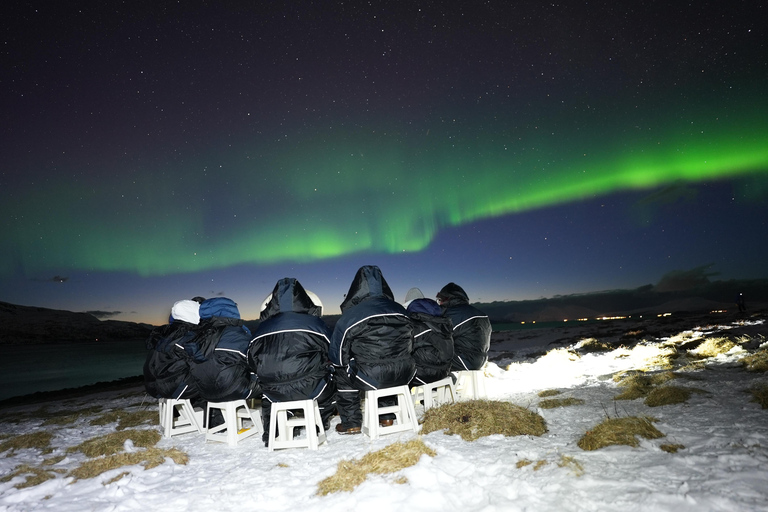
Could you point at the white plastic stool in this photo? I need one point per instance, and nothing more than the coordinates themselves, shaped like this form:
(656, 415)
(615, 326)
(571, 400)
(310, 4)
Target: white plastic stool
(471, 385)
(234, 413)
(405, 413)
(188, 419)
(281, 427)
(435, 393)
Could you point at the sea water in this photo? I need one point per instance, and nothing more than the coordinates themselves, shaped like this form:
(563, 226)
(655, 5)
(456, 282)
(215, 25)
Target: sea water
(26, 369)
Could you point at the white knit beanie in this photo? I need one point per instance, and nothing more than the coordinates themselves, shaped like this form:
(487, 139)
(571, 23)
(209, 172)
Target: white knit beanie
(187, 311)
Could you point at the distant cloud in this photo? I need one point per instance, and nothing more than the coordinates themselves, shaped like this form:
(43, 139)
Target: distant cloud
(104, 314)
(679, 280)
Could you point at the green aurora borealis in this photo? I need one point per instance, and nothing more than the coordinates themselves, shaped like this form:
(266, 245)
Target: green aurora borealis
(337, 192)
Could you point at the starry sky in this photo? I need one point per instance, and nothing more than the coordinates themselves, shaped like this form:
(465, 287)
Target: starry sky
(154, 151)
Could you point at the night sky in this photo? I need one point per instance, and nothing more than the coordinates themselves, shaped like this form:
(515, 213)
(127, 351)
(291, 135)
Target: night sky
(153, 151)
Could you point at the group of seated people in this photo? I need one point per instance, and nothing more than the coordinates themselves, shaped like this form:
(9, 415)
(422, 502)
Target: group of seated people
(205, 353)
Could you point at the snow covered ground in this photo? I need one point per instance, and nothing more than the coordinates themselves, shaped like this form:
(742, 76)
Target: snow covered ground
(723, 465)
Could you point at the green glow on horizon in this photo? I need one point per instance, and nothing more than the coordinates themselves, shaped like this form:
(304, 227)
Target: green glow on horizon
(356, 193)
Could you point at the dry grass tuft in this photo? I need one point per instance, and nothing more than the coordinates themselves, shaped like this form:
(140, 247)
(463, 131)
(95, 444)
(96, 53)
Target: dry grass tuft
(664, 360)
(639, 385)
(127, 419)
(116, 478)
(569, 462)
(593, 345)
(548, 392)
(393, 458)
(479, 418)
(712, 347)
(53, 460)
(65, 417)
(667, 395)
(34, 475)
(522, 463)
(552, 403)
(540, 464)
(671, 448)
(619, 431)
(113, 443)
(760, 395)
(637, 334)
(40, 440)
(149, 458)
(757, 362)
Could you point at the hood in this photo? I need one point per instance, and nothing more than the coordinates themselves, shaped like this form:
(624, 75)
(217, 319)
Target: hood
(452, 295)
(413, 294)
(428, 306)
(368, 283)
(187, 311)
(290, 296)
(221, 307)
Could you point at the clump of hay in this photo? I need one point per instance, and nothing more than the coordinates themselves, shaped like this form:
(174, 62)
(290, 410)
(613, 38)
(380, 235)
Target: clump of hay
(53, 460)
(40, 440)
(393, 458)
(664, 360)
(760, 395)
(149, 458)
(114, 442)
(66, 417)
(757, 362)
(560, 402)
(34, 475)
(479, 418)
(548, 392)
(619, 431)
(712, 347)
(116, 478)
(667, 395)
(127, 419)
(593, 345)
(685, 337)
(671, 448)
(560, 356)
(692, 367)
(639, 385)
(636, 334)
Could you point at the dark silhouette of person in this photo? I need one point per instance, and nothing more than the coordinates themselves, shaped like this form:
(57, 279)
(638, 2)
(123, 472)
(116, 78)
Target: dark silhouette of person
(740, 303)
(289, 351)
(370, 347)
(432, 338)
(471, 328)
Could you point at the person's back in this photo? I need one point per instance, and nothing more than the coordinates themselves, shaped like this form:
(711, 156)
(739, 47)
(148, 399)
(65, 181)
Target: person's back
(166, 369)
(371, 344)
(221, 369)
(289, 350)
(432, 340)
(471, 328)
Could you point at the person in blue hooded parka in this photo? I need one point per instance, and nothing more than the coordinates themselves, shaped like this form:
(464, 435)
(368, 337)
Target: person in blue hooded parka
(370, 346)
(289, 351)
(166, 368)
(471, 328)
(220, 364)
(432, 338)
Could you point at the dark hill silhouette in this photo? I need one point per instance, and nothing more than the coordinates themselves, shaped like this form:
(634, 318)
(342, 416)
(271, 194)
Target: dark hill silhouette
(27, 324)
(717, 295)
